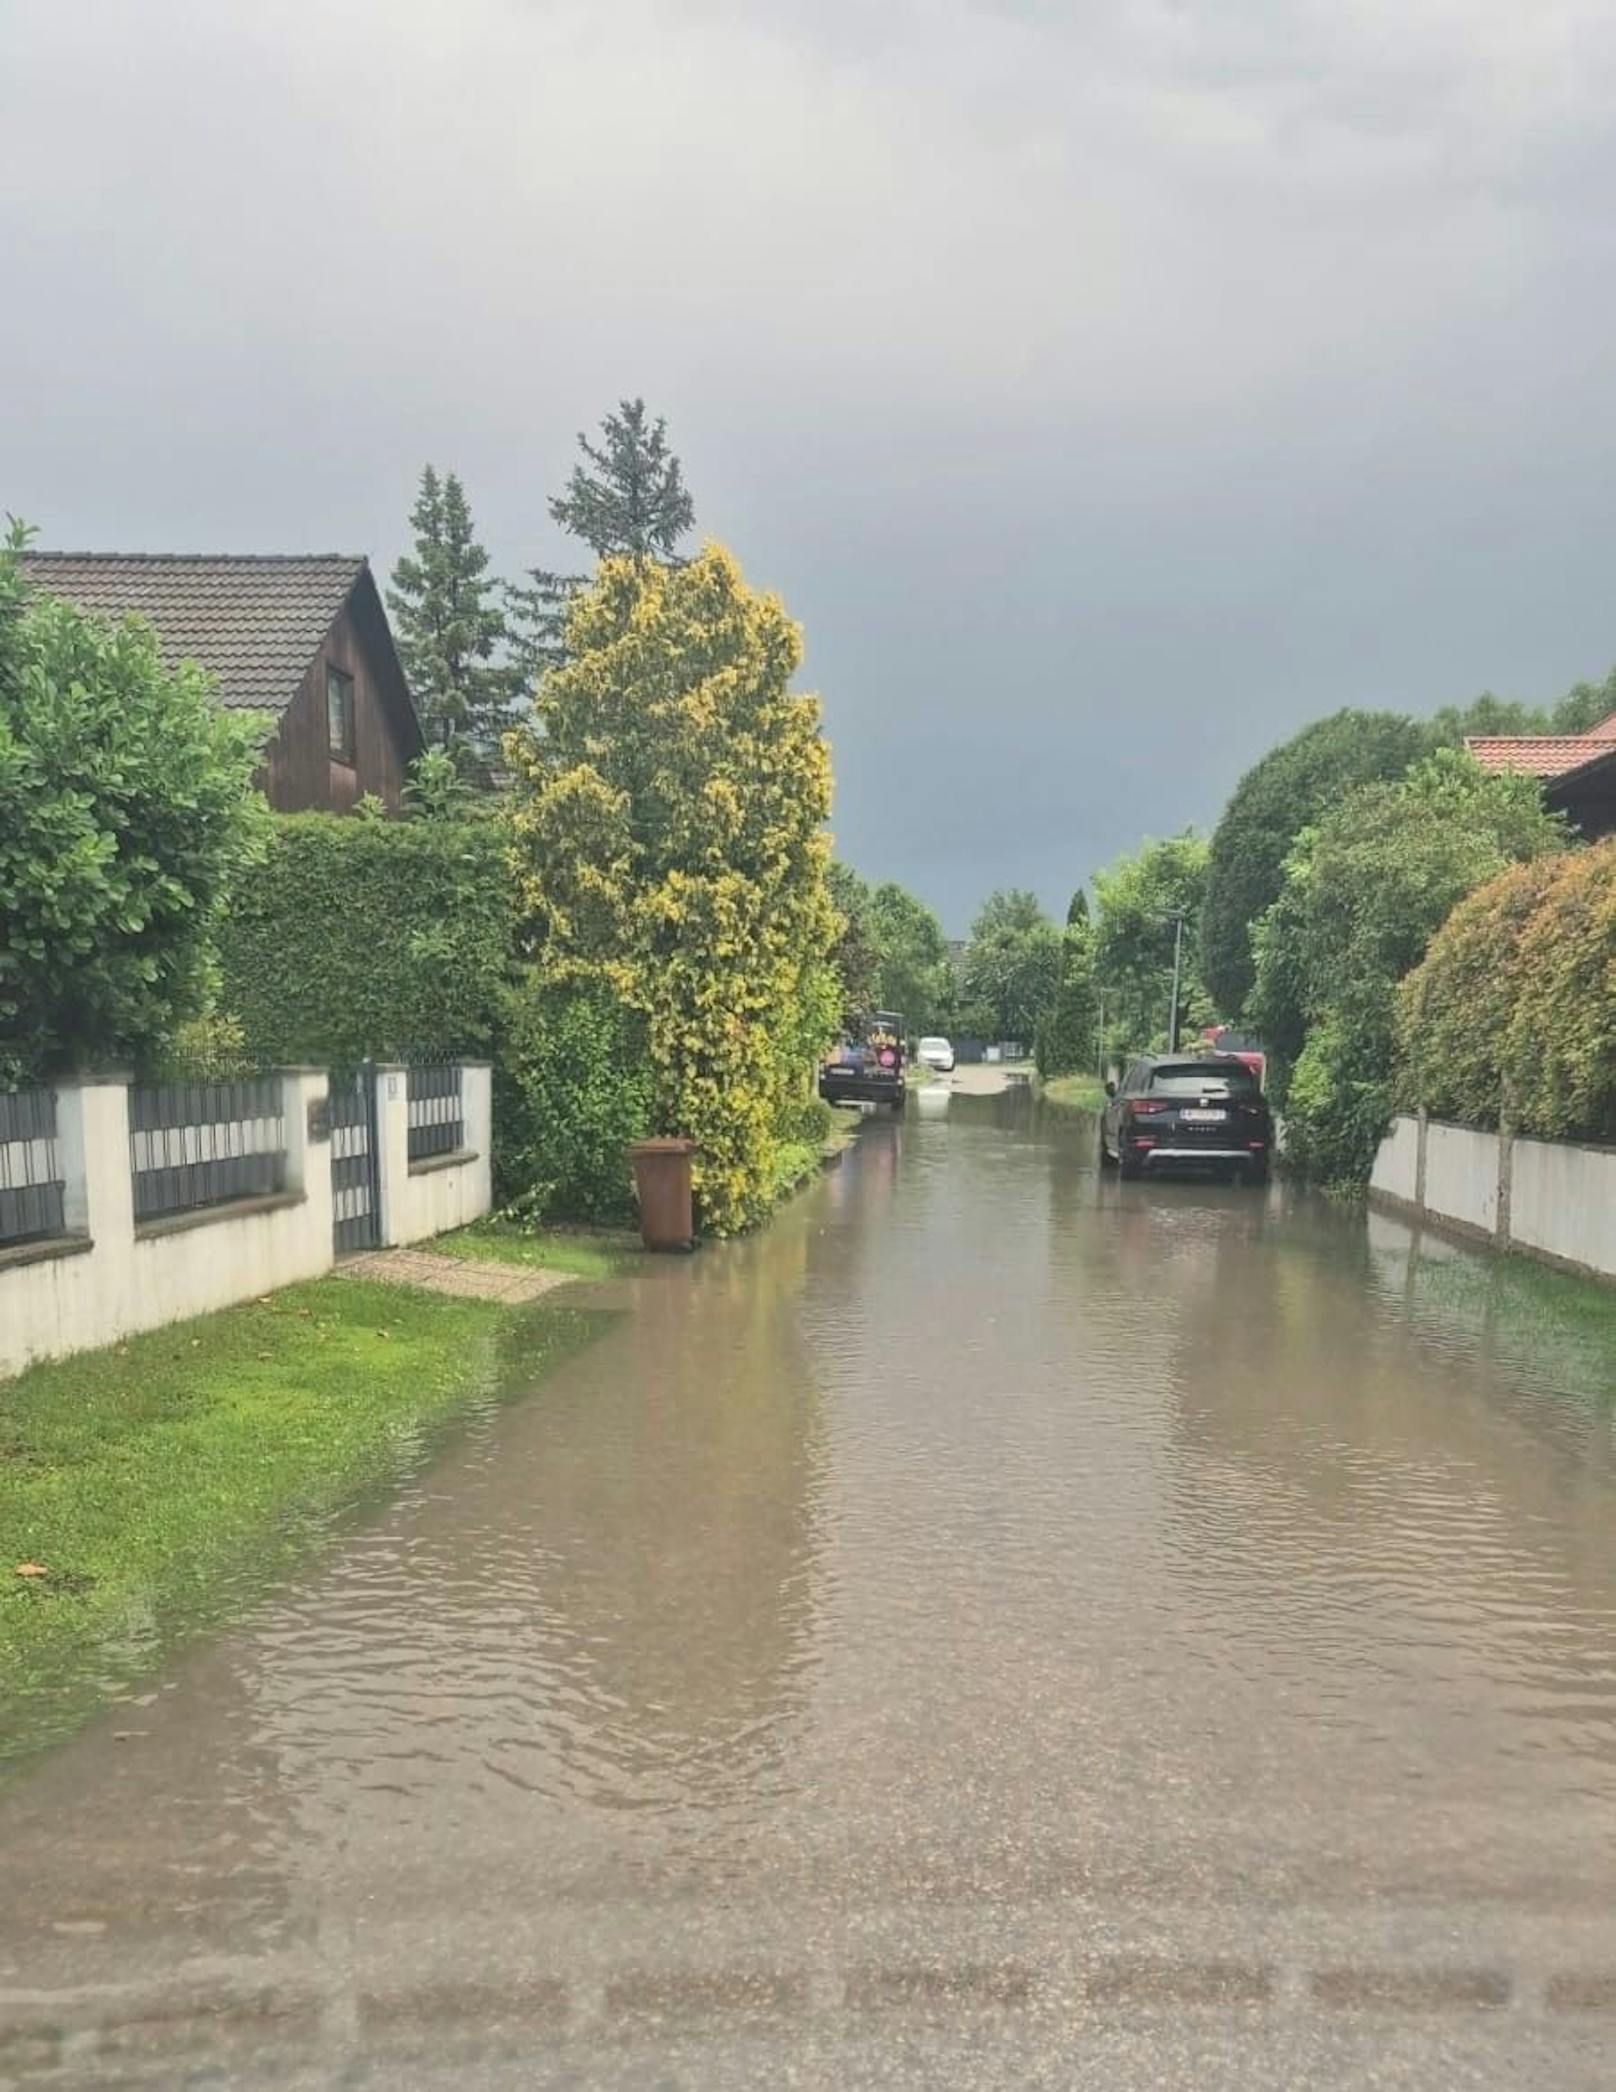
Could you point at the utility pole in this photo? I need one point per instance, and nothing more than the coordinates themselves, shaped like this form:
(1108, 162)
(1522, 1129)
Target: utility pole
(1178, 963)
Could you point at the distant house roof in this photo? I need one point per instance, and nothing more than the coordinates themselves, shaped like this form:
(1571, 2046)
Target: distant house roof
(254, 621)
(1544, 755)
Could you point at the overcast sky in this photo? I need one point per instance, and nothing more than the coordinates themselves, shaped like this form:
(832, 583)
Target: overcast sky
(1108, 387)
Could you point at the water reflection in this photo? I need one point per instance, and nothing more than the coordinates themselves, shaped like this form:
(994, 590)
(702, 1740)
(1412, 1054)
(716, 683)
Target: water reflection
(987, 1535)
(1398, 1550)
(608, 1603)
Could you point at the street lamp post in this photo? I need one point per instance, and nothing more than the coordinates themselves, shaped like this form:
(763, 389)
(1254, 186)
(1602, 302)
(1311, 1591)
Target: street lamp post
(1178, 965)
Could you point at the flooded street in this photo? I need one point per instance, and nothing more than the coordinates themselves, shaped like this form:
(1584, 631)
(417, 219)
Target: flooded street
(998, 1627)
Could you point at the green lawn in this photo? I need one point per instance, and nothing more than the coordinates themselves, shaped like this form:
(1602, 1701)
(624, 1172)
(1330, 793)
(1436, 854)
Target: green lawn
(1549, 1324)
(162, 1483)
(1074, 1092)
(585, 1252)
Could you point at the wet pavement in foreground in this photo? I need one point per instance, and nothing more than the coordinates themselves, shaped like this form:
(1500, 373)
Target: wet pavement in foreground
(1000, 1627)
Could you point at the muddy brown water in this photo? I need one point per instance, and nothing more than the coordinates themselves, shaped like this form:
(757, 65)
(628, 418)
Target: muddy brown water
(999, 1626)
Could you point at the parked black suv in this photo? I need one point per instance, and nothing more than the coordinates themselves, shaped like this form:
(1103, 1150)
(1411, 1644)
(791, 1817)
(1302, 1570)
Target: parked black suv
(1183, 1111)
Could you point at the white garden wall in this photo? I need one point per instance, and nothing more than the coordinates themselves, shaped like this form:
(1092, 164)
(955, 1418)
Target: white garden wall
(1461, 1176)
(1397, 1167)
(1563, 1202)
(107, 1275)
(116, 1277)
(1551, 1199)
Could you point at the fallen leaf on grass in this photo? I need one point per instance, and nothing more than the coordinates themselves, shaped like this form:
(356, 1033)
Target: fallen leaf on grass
(32, 1569)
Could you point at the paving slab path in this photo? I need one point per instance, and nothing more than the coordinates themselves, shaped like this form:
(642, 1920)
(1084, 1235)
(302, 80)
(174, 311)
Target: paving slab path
(463, 1278)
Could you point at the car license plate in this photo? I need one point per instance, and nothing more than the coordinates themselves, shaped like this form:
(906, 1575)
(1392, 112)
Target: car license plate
(1204, 1118)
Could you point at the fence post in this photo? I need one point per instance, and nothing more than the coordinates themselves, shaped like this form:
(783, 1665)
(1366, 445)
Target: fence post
(92, 1133)
(392, 1152)
(305, 1118)
(477, 1128)
(98, 1200)
(1506, 1164)
(1421, 1145)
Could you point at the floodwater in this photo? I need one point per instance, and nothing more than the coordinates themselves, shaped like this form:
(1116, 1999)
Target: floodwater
(999, 1627)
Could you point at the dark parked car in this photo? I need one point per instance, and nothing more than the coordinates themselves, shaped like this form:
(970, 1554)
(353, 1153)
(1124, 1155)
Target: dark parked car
(1187, 1111)
(868, 1069)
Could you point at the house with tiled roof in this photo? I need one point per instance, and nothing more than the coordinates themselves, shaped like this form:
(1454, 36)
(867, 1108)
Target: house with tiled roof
(302, 639)
(1577, 771)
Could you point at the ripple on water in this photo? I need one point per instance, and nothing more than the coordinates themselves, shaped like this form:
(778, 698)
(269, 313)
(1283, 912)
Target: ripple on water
(991, 1515)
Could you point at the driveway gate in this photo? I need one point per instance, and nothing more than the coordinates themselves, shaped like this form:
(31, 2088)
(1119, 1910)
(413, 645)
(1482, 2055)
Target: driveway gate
(356, 1200)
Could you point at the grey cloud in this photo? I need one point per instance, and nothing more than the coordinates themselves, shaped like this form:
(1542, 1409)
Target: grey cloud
(1108, 388)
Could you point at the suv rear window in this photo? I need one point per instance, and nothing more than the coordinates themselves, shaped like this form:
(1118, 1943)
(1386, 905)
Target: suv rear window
(1231, 1078)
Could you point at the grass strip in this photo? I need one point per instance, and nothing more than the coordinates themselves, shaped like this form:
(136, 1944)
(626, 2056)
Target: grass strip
(150, 1490)
(1074, 1092)
(585, 1252)
(1545, 1324)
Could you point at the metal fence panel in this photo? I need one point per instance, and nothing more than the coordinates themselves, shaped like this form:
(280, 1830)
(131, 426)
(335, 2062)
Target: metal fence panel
(31, 1184)
(198, 1144)
(355, 1193)
(436, 1118)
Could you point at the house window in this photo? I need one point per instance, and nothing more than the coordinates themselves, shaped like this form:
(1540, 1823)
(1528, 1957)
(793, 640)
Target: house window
(339, 714)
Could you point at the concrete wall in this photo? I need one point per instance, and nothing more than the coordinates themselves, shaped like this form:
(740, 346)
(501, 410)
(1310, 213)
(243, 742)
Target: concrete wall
(1461, 1176)
(107, 1278)
(1563, 1203)
(112, 1278)
(1550, 1199)
(1397, 1164)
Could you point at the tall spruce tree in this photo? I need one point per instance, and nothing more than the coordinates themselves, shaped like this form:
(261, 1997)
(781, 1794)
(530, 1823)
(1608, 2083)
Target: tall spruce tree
(449, 625)
(626, 500)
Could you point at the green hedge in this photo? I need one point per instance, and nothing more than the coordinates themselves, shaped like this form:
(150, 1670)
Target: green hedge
(1518, 993)
(572, 1088)
(359, 937)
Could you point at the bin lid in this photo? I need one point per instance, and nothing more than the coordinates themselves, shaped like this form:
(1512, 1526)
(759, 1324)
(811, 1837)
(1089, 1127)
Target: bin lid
(664, 1144)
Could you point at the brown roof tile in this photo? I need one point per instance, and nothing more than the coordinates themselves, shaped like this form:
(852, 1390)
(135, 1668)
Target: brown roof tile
(1539, 755)
(253, 621)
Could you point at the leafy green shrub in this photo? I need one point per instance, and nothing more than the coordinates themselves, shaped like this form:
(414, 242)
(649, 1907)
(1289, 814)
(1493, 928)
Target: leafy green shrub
(808, 1122)
(1292, 787)
(209, 1048)
(1064, 1042)
(670, 796)
(1138, 901)
(1457, 1008)
(126, 808)
(1562, 1034)
(1338, 1099)
(573, 1086)
(369, 937)
(1364, 893)
(1012, 966)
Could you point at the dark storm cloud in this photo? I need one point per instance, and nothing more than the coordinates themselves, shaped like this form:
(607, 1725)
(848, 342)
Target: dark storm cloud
(1107, 388)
